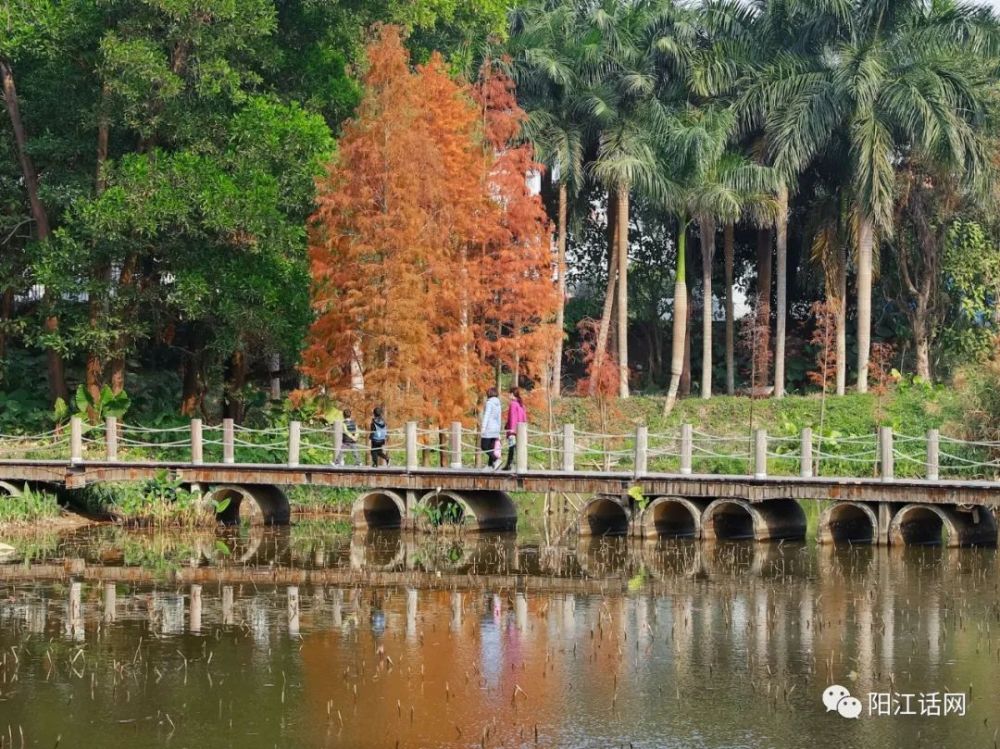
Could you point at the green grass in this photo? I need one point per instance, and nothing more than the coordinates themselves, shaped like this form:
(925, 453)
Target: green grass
(30, 506)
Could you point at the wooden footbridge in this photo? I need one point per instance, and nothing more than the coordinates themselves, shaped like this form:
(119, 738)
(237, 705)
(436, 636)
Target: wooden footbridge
(682, 485)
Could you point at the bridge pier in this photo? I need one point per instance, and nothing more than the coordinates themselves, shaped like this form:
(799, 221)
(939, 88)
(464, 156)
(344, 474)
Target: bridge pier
(772, 520)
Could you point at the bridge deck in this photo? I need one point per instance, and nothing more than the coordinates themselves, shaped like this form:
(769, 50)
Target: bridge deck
(708, 486)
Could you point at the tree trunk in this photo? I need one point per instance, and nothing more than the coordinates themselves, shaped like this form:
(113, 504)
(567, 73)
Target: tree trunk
(685, 389)
(764, 256)
(193, 385)
(841, 301)
(95, 364)
(557, 356)
(680, 319)
(623, 292)
(118, 361)
(6, 310)
(781, 241)
(600, 350)
(236, 377)
(866, 238)
(707, 256)
(56, 371)
(728, 245)
(922, 341)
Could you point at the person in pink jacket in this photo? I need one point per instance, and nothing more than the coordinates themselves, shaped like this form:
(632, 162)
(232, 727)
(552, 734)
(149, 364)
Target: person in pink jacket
(515, 415)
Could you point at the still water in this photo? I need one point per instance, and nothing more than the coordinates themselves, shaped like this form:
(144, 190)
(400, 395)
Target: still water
(315, 637)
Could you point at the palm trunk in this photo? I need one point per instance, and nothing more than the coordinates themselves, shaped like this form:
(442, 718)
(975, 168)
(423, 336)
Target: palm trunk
(623, 292)
(707, 256)
(841, 301)
(600, 351)
(864, 281)
(781, 302)
(561, 310)
(56, 370)
(680, 319)
(763, 307)
(728, 245)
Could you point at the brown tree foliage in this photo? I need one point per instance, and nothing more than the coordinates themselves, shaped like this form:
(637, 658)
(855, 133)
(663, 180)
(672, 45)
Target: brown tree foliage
(429, 255)
(824, 338)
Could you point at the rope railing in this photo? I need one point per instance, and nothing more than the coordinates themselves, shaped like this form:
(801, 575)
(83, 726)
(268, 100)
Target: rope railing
(682, 451)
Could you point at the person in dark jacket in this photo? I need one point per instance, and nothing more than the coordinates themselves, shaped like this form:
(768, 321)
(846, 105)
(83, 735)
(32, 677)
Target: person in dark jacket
(378, 435)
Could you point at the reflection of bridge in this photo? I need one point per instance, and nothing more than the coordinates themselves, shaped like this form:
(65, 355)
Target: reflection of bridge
(642, 494)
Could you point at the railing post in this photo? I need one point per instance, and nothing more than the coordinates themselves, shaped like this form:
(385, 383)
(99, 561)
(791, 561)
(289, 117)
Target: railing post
(568, 448)
(111, 437)
(806, 454)
(228, 442)
(933, 454)
(521, 448)
(760, 453)
(885, 452)
(338, 442)
(197, 446)
(641, 451)
(294, 442)
(687, 437)
(76, 440)
(412, 458)
(456, 444)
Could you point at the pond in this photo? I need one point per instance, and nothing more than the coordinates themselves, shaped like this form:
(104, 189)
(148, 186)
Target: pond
(315, 637)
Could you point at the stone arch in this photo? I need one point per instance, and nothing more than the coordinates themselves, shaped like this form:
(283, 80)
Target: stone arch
(10, 489)
(848, 522)
(267, 505)
(605, 515)
(478, 510)
(729, 518)
(673, 517)
(379, 508)
(925, 524)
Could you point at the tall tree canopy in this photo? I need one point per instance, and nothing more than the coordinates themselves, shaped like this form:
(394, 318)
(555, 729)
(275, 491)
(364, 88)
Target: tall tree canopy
(430, 258)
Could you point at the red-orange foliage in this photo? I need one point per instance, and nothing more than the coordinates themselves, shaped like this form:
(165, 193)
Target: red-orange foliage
(824, 339)
(424, 249)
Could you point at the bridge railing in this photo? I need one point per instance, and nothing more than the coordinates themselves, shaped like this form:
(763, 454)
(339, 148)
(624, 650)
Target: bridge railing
(684, 450)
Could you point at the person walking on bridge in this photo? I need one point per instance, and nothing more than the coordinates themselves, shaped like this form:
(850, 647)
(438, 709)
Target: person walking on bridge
(489, 432)
(378, 434)
(349, 443)
(516, 414)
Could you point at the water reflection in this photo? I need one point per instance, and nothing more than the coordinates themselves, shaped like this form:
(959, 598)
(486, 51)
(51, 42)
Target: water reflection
(485, 640)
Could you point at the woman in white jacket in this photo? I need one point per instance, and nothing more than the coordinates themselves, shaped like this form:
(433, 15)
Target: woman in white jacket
(489, 434)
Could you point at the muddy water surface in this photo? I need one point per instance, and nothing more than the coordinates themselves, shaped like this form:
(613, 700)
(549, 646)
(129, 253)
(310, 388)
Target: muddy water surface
(315, 637)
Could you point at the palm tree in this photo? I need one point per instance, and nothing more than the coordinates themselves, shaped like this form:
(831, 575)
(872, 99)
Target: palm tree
(888, 76)
(632, 52)
(543, 46)
(713, 183)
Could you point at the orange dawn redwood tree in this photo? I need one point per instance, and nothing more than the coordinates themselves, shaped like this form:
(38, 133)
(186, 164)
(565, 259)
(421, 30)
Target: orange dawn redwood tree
(430, 258)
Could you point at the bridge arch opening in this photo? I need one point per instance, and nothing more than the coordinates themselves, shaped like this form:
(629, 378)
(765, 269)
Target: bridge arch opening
(728, 520)
(771, 520)
(8, 489)
(922, 525)
(260, 504)
(673, 517)
(848, 522)
(604, 516)
(472, 510)
(381, 508)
